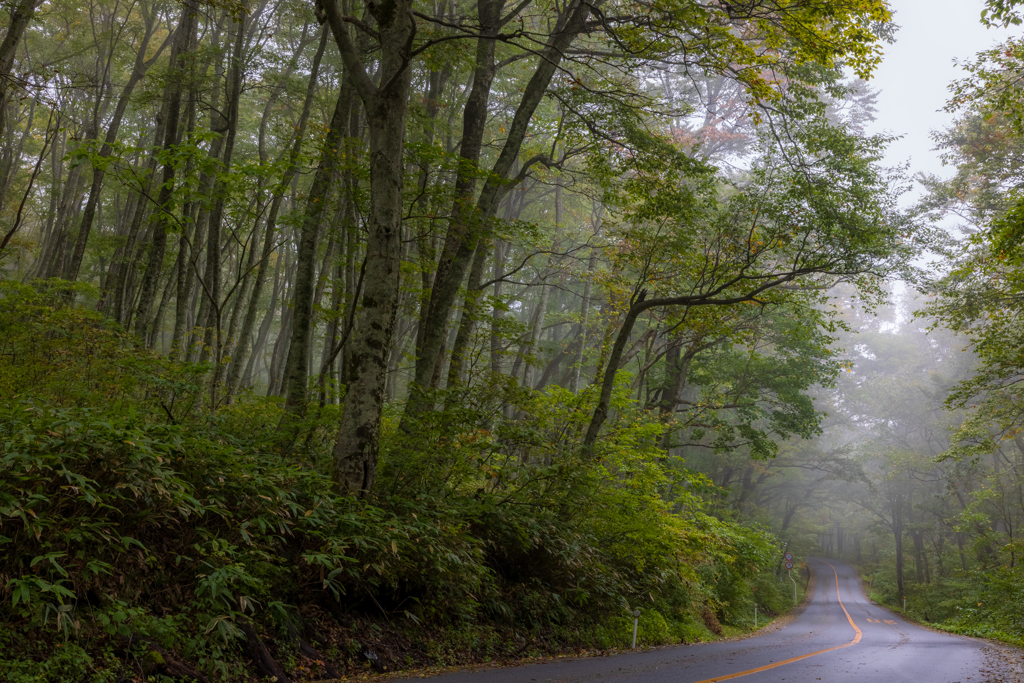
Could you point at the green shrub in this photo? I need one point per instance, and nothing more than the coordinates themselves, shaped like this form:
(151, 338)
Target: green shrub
(128, 507)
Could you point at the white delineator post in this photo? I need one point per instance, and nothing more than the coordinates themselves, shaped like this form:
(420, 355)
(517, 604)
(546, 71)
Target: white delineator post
(755, 615)
(636, 625)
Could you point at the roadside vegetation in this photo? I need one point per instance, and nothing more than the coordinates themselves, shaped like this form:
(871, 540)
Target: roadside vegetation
(145, 536)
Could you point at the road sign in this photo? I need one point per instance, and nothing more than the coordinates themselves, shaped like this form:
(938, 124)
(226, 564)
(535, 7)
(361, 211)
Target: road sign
(789, 565)
(789, 557)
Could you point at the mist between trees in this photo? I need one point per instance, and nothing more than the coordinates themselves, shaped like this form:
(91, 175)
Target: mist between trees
(920, 463)
(347, 335)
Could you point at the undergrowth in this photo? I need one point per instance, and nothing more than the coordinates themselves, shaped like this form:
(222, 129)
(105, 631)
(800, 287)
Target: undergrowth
(146, 535)
(980, 602)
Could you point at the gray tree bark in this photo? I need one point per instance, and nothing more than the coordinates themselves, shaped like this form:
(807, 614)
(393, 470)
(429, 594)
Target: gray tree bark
(470, 221)
(252, 309)
(139, 70)
(158, 223)
(356, 451)
(21, 16)
(296, 379)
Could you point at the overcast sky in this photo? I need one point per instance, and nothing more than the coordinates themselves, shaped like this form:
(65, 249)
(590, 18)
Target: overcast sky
(917, 69)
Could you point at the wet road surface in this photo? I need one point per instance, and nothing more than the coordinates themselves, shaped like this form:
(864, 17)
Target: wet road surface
(839, 636)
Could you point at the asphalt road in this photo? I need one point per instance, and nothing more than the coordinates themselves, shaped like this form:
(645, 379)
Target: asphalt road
(839, 636)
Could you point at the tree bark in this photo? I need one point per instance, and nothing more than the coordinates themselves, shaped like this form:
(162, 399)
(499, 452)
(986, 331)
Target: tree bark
(355, 453)
(434, 322)
(214, 333)
(296, 379)
(457, 368)
(139, 69)
(470, 221)
(264, 331)
(158, 223)
(21, 16)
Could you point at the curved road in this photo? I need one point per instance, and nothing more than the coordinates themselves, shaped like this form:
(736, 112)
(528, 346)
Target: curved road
(839, 636)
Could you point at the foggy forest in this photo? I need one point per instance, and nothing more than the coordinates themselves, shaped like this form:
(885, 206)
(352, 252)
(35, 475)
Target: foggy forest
(351, 337)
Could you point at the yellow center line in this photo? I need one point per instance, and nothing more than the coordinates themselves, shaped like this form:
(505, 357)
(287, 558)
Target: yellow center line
(856, 639)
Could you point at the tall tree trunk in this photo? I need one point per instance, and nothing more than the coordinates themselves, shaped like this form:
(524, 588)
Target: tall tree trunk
(295, 371)
(456, 371)
(897, 532)
(158, 223)
(21, 16)
(111, 295)
(55, 248)
(187, 254)
(11, 156)
(919, 551)
(434, 321)
(264, 331)
(280, 350)
(139, 69)
(355, 453)
(577, 369)
(214, 333)
(533, 344)
(498, 312)
(241, 348)
(470, 222)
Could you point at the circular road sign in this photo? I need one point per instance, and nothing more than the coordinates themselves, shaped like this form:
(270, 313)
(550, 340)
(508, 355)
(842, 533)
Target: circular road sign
(789, 565)
(789, 557)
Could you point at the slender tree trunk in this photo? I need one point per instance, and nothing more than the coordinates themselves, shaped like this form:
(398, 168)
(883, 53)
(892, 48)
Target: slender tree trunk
(158, 224)
(918, 538)
(10, 167)
(498, 310)
(56, 175)
(264, 331)
(457, 369)
(295, 371)
(215, 333)
(21, 16)
(142, 65)
(470, 222)
(577, 369)
(56, 245)
(280, 350)
(533, 345)
(238, 357)
(897, 533)
(111, 295)
(608, 383)
(433, 320)
(187, 255)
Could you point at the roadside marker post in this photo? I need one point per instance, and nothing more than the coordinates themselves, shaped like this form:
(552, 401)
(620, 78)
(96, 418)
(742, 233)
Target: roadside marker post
(755, 615)
(904, 604)
(636, 625)
(788, 557)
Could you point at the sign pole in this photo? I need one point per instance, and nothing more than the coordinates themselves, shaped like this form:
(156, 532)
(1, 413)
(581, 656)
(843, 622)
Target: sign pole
(788, 557)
